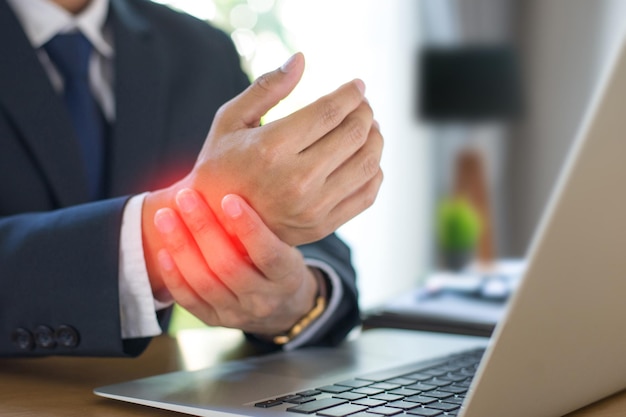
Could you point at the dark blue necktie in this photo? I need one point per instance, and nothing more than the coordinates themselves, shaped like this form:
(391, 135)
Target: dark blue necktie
(70, 54)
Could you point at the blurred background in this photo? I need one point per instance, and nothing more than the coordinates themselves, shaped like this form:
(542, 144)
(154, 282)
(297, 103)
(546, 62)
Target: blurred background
(505, 145)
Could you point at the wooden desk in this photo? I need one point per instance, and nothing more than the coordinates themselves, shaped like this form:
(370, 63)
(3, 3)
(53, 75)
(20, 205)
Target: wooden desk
(59, 386)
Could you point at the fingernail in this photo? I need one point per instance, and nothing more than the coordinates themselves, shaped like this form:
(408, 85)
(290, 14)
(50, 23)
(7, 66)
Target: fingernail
(231, 206)
(288, 65)
(164, 221)
(165, 260)
(186, 200)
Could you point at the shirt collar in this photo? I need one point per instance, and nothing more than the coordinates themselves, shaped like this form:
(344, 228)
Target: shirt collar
(43, 19)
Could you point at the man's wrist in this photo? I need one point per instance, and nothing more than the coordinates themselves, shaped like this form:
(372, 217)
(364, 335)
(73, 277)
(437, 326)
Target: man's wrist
(306, 320)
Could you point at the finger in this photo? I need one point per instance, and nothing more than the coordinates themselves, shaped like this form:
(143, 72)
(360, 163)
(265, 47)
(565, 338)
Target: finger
(307, 125)
(274, 258)
(357, 202)
(265, 92)
(182, 293)
(215, 245)
(357, 170)
(340, 144)
(189, 261)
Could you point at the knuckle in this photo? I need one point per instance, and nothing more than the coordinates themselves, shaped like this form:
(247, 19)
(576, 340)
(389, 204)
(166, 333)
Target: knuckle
(330, 112)
(198, 225)
(370, 166)
(372, 191)
(268, 259)
(221, 111)
(176, 244)
(225, 267)
(263, 83)
(295, 190)
(269, 154)
(309, 216)
(356, 132)
(369, 199)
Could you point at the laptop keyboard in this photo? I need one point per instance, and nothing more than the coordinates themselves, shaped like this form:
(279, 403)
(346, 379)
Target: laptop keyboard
(432, 388)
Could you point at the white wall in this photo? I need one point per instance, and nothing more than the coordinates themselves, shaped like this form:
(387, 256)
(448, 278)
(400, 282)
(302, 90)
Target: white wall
(566, 44)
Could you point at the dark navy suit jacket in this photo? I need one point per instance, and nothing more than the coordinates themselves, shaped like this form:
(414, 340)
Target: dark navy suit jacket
(58, 250)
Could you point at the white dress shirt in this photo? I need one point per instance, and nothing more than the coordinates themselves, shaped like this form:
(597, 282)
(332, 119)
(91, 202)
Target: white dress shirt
(42, 20)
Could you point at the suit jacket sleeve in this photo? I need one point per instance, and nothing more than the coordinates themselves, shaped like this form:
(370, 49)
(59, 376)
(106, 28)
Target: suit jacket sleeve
(334, 252)
(55, 277)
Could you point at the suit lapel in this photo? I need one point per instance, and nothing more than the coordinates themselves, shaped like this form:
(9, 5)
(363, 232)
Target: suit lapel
(139, 91)
(38, 113)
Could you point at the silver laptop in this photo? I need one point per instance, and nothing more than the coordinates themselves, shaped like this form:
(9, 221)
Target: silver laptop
(560, 346)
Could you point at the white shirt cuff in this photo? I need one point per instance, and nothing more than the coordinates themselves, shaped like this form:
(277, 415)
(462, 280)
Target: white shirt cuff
(137, 305)
(336, 292)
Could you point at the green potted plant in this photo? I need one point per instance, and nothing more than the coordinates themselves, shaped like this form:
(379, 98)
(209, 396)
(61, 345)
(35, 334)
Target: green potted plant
(458, 230)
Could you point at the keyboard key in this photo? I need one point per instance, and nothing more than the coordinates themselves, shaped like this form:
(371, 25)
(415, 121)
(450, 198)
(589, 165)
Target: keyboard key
(402, 381)
(438, 382)
(453, 378)
(368, 391)
(454, 400)
(268, 403)
(403, 391)
(450, 368)
(425, 412)
(421, 399)
(404, 405)
(435, 372)
(420, 386)
(443, 406)
(341, 410)
(354, 383)
(385, 385)
(299, 400)
(440, 395)
(368, 402)
(334, 389)
(286, 398)
(418, 376)
(384, 411)
(362, 414)
(350, 396)
(455, 389)
(467, 371)
(317, 405)
(387, 397)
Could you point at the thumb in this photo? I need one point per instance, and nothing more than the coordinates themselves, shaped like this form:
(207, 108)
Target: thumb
(266, 92)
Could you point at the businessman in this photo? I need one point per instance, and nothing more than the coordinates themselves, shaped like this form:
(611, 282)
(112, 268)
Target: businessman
(182, 197)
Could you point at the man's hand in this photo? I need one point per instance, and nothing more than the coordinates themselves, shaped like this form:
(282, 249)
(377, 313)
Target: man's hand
(263, 287)
(305, 175)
